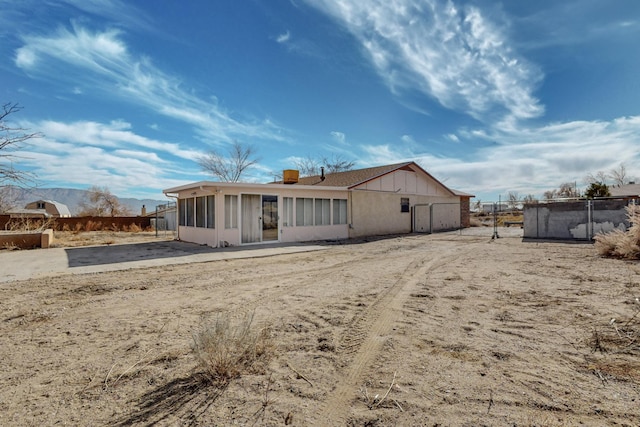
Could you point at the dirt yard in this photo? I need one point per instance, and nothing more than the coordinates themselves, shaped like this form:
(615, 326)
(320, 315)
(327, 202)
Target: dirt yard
(444, 329)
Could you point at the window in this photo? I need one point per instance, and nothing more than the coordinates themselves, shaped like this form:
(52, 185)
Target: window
(323, 210)
(200, 211)
(339, 211)
(230, 211)
(182, 215)
(41, 205)
(287, 211)
(211, 211)
(189, 204)
(304, 211)
(404, 204)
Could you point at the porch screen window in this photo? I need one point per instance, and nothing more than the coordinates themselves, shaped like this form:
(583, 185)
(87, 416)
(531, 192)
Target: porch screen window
(189, 209)
(404, 204)
(211, 211)
(230, 211)
(182, 215)
(323, 210)
(287, 211)
(200, 209)
(304, 211)
(339, 211)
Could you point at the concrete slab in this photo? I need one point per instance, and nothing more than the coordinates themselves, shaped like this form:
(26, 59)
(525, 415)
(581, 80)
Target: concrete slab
(27, 264)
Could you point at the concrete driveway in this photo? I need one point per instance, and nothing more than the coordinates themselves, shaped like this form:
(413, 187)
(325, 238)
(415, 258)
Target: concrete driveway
(27, 264)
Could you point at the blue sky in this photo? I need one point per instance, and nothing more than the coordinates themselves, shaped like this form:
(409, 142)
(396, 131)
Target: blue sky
(488, 96)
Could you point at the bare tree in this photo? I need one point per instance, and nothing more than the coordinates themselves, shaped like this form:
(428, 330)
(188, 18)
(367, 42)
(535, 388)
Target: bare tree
(310, 166)
(11, 138)
(337, 163)
(513, 198)
(618, 175)
(600, 177)
(529, 199)
(229, 168)
(568, 190)
(100, 202)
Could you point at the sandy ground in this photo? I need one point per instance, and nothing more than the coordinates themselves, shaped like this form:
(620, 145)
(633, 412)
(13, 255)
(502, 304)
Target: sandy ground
(445, 329)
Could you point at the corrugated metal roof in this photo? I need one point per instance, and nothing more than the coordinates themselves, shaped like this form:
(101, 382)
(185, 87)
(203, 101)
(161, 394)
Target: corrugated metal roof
(63, 210)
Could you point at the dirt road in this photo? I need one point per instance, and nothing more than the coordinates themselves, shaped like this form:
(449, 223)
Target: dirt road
(444, 329)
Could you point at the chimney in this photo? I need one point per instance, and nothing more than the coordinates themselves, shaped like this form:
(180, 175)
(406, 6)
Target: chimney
(144, 211)
(322, 173)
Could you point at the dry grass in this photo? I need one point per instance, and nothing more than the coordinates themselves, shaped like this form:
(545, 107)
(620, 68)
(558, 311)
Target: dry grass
(622, 244)
(225, 349)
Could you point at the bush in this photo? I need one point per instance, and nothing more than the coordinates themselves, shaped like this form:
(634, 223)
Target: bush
(225, 350)
(622, 244)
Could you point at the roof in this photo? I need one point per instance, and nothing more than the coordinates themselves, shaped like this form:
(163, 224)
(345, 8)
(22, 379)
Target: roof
(62, 209)
(28, 212)
(625, 190)
(354, 178)
(339, 180)
(350, 178)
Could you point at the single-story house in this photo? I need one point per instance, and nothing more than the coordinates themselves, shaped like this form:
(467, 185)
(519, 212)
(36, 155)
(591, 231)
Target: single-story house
(391, 199)
(42, 209)
(627, 190)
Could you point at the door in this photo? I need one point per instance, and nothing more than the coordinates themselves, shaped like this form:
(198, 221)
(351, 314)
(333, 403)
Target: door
(259, 217)
(269, 218)
(251, 218)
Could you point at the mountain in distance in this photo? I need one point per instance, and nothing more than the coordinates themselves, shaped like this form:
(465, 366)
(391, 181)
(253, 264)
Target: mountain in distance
(73, 198)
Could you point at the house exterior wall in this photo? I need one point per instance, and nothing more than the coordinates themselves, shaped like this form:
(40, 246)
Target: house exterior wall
(378, 213)
(221, 236)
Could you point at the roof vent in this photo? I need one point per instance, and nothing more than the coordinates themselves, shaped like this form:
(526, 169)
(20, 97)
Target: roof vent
(322, 173)
(290, 176)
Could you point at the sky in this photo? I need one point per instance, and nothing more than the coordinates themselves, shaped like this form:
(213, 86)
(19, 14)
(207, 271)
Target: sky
(490, 97)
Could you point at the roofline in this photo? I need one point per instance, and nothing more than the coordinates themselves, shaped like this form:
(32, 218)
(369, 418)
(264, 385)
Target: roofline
(201, 184)
(400, 166)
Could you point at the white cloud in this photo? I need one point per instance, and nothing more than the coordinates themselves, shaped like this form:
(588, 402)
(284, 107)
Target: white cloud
(339, 136)
(102, 61)
(283, 38)
(111, 154)
(454, 55)
(452, 137)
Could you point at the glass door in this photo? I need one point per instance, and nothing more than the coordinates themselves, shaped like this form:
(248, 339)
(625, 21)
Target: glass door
(269, 218)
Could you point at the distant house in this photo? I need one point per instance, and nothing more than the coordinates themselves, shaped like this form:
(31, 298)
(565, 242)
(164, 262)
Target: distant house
(390, 199)
(42, 209)
(627, 190)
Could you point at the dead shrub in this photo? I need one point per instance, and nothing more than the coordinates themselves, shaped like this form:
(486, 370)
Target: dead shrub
(134, 228)
(225, 350)
(622, 244)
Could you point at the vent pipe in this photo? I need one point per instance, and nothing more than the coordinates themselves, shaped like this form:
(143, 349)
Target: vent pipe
(322, 173)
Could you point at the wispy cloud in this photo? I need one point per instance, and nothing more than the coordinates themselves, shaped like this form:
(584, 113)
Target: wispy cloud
(549, 156)
(102, 61)
(283, 38)
(86, 153)
(455, 55)
(339, 137)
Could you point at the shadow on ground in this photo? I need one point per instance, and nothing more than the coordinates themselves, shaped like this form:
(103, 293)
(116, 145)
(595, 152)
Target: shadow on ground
(100, 255)
(187, 398)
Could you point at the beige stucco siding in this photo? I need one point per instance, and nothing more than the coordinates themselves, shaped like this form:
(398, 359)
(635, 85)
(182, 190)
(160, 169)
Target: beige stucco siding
(406, 182)
(289, 233)
(378, 213)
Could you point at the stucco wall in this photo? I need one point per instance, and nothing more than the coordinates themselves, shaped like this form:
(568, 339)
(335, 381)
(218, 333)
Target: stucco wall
(377, 213)
(26, 240)
(571, 220)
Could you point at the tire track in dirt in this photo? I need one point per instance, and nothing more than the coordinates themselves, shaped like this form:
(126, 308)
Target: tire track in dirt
(367, 332)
